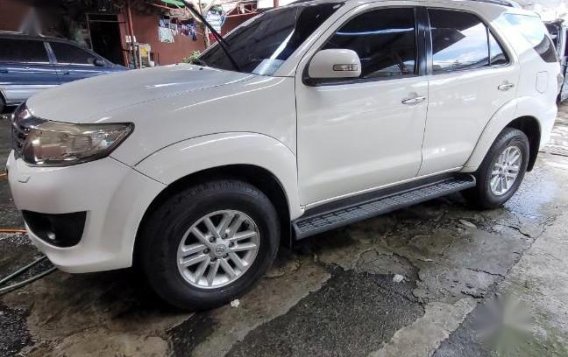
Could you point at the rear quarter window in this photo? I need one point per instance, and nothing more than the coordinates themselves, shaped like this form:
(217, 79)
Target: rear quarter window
(532, 29)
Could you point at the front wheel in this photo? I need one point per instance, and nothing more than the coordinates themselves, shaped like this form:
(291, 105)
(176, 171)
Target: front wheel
(501, 171)
(207, 245)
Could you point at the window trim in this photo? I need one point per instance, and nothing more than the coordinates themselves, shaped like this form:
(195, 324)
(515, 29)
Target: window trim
(57, 63)
(49, 61)
(420, 58)
(489, 29)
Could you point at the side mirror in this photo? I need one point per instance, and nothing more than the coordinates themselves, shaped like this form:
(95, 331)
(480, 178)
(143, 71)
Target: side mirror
(335, 63)
(99, 62)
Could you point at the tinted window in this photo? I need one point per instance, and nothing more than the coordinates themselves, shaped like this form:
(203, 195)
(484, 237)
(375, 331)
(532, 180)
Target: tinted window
(66, 54)
(459, 41)
(22, 51)
(497, 55)
(385, 41)
(533, 30)
(262, 44)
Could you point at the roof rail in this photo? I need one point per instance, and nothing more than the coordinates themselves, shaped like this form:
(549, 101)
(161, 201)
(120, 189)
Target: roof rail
(508, 3)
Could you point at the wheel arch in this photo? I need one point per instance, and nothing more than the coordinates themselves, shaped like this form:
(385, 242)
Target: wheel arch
(254, 158)
(509, 116)
(531, 127)
(257, 176)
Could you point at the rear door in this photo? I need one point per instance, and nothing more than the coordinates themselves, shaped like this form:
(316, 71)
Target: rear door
(74, 62)
(25, 69)
(471, 77)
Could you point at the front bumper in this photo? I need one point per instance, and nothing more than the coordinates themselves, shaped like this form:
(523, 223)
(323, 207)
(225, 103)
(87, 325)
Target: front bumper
(113, 195)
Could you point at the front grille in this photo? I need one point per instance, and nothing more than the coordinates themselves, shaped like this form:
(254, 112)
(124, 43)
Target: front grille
(19, 134)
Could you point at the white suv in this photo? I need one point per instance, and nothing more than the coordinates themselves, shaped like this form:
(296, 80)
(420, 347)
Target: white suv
(305, 118)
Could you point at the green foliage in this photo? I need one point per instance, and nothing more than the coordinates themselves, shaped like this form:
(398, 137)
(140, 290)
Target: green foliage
(192, 58)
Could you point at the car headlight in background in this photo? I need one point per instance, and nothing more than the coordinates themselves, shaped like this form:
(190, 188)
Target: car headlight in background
(52, 143)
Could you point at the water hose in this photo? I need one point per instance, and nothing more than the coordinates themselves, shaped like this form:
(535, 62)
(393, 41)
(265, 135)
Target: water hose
(21, 271)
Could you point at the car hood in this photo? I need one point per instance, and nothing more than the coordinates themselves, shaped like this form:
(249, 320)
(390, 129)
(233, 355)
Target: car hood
(90, 100)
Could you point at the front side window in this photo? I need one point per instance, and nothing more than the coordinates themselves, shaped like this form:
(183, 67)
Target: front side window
(459, 41)
(69, 54)
(262, 44)
(384, 39)
(28, 51)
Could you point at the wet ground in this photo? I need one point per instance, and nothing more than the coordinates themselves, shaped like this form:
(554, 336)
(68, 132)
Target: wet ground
(436, 279)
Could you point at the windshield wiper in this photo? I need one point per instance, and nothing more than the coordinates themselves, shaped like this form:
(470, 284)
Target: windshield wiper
(218, 37)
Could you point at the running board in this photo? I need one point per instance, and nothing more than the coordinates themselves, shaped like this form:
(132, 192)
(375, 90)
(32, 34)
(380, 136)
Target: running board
(320, 222)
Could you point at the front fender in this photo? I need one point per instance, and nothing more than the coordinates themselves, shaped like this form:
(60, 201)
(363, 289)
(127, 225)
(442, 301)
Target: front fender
(519, 107)
(235, 148)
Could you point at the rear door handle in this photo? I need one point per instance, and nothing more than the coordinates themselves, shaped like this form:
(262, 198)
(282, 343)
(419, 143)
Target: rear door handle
(414, 100)
(505, 86)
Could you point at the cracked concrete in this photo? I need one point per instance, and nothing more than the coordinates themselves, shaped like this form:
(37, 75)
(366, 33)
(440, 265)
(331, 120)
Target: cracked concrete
(467, 274)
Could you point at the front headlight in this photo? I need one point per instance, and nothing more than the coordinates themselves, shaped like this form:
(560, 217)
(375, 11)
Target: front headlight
(51, 143)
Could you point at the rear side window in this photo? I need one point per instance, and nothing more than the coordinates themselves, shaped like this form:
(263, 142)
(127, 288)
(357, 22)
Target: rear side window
(385, 41)
(69, 54)
(534, 32)
(459, 41)
(28, 51)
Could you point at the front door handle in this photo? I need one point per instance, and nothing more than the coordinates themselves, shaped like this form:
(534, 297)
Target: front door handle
(505, 86)
(414, 100)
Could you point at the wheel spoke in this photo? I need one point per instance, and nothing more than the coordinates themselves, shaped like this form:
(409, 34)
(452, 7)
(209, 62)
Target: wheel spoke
(514, 158)
(494, 183)
(192, 249)
(234, 227)
(242, 235)
(201, 269)
(200, 236)
(228, 268)
(213, 272)
(227, 218)
(187, 262)
(237, 260)
(513, 169)
(211, 227)
(243, 247)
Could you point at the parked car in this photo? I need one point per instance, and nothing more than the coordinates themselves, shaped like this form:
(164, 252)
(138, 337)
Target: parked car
(559, 35)
(29, 64)
(308, 117)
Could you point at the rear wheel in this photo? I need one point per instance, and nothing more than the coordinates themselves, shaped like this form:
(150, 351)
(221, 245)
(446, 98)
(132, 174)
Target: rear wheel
(2, 105)
(207, 245)
(502, 170)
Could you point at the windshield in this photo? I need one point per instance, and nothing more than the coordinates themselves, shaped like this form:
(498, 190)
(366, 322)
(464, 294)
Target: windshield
(261, 45)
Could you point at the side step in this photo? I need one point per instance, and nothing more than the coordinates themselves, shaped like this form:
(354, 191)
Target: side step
(319, 222)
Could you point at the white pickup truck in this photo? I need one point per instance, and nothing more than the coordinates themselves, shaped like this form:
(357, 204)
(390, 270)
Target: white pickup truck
(303, 119)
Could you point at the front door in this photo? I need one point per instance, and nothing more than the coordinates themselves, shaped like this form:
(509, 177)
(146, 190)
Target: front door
(472, 77)
(364, 133)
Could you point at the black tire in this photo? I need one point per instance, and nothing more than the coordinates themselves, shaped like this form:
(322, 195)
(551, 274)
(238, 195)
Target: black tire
(2, 105)
(482, 196)
(164, 229)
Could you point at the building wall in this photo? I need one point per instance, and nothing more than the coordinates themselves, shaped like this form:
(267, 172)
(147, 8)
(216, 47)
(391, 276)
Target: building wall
(12, 13)
(146, 31)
